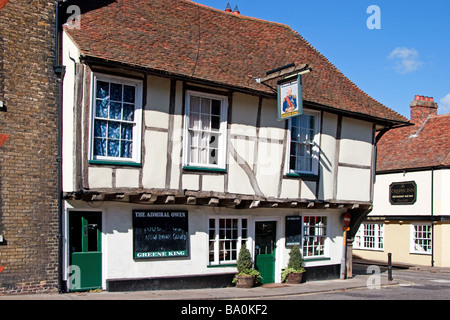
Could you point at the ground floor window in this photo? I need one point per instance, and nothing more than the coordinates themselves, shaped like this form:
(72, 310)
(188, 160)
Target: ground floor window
(314, 235)
(421, 238)
(370, 236)
(226, 236)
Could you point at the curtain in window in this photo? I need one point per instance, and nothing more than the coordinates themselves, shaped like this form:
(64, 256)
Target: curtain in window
(204, 125)
(114, 120)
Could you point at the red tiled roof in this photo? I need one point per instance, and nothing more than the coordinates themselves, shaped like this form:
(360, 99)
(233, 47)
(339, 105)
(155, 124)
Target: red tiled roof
(426, 144)
(182, 38)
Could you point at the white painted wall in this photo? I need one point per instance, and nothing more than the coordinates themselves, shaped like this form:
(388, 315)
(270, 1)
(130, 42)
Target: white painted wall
(117, 240)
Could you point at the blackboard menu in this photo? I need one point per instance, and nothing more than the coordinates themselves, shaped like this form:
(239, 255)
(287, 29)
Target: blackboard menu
(293, 230)
(160, 234)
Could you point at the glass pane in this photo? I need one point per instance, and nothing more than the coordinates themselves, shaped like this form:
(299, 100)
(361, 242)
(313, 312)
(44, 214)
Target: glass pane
(126, 149)
(129, 93)
(114, 130)
(102, 90)
(101, 109)
(100, 128)
(113, 148)
(195, 104)
(215, 108)
(206, 106)
(205, 121)
(127, 131)
(115, 111)
(116, 92)
(99, 147)
(215, 123)
(194, 121)
(128, 112)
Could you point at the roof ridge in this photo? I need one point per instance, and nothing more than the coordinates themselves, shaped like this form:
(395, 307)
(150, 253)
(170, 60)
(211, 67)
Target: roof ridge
(240, 16)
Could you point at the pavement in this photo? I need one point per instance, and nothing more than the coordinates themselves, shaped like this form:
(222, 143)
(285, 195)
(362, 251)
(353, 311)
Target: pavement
(229, 293)
(360, 279)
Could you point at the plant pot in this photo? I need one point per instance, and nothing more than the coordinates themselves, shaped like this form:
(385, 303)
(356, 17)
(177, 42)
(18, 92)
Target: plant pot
(245, 281)
(294, 277)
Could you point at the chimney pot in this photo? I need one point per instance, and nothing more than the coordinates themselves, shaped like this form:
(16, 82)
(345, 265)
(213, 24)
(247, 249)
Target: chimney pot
(228, 8)
(417, 97)
(236, 10)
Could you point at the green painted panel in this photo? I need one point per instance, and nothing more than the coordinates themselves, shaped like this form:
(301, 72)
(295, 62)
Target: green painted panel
(90, 268)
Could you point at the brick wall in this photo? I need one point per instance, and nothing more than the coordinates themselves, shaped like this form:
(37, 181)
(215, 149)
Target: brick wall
(28, 167)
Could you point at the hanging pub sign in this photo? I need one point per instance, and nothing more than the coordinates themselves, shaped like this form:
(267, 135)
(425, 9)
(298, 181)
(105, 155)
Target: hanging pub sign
(401, 193)
(160, 234)
(290, 97)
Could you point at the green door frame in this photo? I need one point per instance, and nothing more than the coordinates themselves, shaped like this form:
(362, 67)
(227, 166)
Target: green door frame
(85, 250)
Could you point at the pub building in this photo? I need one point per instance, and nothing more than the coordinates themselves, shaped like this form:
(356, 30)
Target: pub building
(411, 208)
(180, 145)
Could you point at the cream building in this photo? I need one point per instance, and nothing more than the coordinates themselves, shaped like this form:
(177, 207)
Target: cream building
(411, 211)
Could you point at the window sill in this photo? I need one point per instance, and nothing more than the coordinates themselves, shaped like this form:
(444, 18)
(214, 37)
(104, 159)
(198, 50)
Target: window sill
(204, 169)
(303, 176)
(232, 265)
(115, 163)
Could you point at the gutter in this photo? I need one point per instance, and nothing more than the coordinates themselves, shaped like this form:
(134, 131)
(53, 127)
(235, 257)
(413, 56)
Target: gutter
(59, 71)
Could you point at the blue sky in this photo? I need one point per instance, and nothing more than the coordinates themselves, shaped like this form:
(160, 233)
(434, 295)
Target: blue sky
(408, 55)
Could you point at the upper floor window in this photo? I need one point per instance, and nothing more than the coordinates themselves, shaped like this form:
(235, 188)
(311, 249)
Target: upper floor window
(116, 120)
(304, 143)
(205, 130)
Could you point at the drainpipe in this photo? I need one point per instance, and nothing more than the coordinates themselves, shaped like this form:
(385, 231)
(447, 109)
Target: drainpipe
(59, 71)
(432, 217)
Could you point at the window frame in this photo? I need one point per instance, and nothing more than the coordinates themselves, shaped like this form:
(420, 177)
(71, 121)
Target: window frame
(361, 234)
(413, 238)
(217, 262)
(326, 237)
(135, 160)
(315, 148)
(222, 143)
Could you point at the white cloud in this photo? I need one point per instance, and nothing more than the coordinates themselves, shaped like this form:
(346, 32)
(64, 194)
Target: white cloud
(444, 105)
(406, 60)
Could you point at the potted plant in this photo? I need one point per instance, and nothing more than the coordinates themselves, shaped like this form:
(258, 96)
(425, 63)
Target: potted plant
(294, 271)
(246, 277)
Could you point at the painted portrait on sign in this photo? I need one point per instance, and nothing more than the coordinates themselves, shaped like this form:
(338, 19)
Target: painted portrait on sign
(290, 99)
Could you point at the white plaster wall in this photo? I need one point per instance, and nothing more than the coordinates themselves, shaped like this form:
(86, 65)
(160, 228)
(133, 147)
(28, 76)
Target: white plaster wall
(356, 142)
(327, 155)
(117, 241)
(381, 204)
(68, 125)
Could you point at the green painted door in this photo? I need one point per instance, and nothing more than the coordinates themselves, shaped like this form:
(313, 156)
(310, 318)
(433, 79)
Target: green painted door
(265, 240)
(85, 250)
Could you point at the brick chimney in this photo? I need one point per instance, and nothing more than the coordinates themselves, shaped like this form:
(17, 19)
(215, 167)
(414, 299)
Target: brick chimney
(421, 108)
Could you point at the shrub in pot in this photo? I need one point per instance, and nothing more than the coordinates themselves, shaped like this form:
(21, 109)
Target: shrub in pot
(246, 277)
(294, 271)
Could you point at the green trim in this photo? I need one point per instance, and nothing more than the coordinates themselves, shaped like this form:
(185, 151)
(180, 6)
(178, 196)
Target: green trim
(222, 265)
(115, 163)
(204, 169)
(304, 176)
